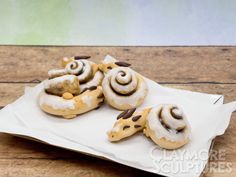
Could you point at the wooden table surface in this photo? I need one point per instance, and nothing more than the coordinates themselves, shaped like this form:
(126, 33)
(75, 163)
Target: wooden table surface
(204, 69)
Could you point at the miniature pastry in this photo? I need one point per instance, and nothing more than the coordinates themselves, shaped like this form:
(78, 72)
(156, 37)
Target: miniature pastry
(110, 62)
(69, 92)
(68, 106)
(60, 85)
(123, 88)
(167, 126)
(87, 72)
(128, 123)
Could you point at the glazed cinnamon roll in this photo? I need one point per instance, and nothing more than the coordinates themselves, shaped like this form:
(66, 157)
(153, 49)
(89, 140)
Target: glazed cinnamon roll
(73, 90)
(87, 72)
(167, 126)
(123, 88)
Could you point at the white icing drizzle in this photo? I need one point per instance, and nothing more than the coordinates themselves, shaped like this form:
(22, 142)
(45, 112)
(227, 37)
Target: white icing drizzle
(118, 78)
(116, 128)
(55, 102)
(65, 59)
(82, 69)
(56, 72)
(87, 71)
(87, 100)
(84, 72)
(171, 134)
(74, 67)
(132, 100)
(168, 119)
(52, 82)
(109, 59)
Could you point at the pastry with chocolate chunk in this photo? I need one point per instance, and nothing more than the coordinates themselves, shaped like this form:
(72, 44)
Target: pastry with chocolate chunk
(72, 90)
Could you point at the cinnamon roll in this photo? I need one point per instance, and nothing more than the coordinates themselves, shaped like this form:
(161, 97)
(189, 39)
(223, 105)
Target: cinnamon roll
(123, 88)
(73, 90)
(167, 126)
(87, 72)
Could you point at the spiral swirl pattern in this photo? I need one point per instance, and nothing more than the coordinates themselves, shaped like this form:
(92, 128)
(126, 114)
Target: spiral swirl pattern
(81, 68)
(123, 81)
(170, 122)
(123, 86)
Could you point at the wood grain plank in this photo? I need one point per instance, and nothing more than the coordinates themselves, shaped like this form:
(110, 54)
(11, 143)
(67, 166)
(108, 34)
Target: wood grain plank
(163, 64)
(85, 166)
(77, 168)
(54, 161)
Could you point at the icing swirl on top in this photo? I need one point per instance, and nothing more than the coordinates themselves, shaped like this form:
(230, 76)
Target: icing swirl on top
(123, 81)
(82, 68)
(87, 72)
(169, 121)
(123, 86)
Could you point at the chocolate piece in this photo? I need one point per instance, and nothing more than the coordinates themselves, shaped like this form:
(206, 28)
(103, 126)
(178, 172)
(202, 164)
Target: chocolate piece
(136, 118)
(81, 57)
(92, 88)
(129, 113)
(137, 126)
(122, 114)
(121, 63)
(126, 126)
(84, 90)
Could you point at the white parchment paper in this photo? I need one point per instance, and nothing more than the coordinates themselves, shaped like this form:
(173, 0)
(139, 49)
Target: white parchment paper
(207, 115)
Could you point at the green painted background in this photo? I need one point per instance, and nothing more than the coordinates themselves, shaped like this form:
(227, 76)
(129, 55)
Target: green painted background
(118, 22)
(60, 22)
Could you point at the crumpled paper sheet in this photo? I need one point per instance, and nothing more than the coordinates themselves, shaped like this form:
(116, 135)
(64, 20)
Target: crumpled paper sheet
(87, 132)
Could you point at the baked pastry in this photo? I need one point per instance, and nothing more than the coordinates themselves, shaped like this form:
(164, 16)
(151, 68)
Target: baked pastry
(62, 84)
(70, 91)
(123, 88)
(87, 72)
(110, 62)
(69, 106)
(128, 123)
(167, 126)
